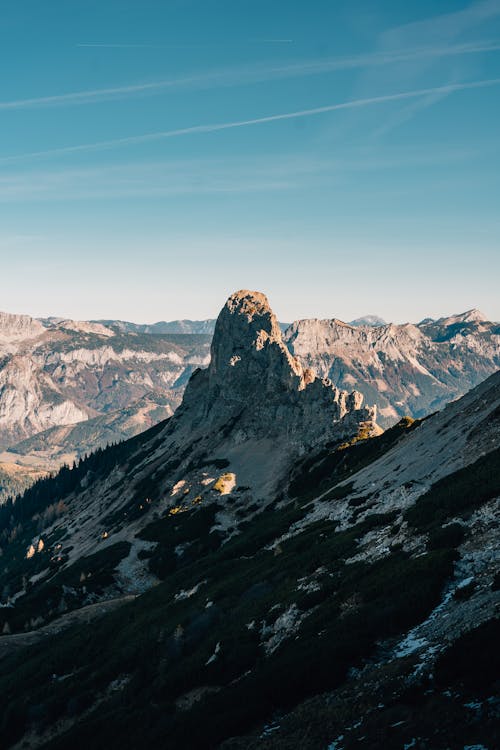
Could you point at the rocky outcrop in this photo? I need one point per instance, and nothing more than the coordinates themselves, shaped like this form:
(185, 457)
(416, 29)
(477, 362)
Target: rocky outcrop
(255, 382)
(18, 327)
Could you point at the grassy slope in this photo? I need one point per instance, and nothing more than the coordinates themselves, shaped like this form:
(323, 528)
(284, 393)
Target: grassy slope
(160, 646)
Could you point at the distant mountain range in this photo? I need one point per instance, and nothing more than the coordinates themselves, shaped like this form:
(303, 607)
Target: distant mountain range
(68, 387)
(163, 326)
(369, 320)
(264, 569)
(404, 369)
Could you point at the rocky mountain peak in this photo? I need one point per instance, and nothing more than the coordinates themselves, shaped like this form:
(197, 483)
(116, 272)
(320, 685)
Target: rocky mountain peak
(18, 327)
(248, 348)
(469, 316)
(255, 388)
(369, 320)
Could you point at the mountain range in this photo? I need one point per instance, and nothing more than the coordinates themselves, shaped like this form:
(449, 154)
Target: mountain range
(265, 569)
(68, 387)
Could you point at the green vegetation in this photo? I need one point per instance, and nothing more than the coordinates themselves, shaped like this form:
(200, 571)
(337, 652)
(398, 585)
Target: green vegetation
(62, 590)
(189, 530)
(165, 642)
(208, 625)
(457, 494)
(328, 467)
(473, 660)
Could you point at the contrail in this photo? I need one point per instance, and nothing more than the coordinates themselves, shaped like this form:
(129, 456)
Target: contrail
(241, 76)
(213, 127)
(121, 46)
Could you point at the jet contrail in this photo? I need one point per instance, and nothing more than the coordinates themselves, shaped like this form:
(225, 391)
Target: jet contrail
(213, 127)
(241, 76)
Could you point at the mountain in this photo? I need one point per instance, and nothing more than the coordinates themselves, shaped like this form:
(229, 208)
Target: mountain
(369, 320)
(261, 570)
(403, 369)
(68, 387)
(65, 443)
(59, 373)
(163, 326)
(173, 326)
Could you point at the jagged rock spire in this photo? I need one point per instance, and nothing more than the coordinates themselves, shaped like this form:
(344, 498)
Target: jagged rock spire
(247, 347)
(254, 387)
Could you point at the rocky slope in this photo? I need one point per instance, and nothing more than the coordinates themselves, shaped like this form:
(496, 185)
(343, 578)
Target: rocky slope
(403, 369)
(254, 412)
(60, 373)
(296, 582)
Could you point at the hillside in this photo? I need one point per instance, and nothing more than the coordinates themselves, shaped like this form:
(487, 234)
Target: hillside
(299, 578)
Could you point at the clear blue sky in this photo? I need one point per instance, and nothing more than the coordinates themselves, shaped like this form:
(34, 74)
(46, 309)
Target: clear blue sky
(156, 155)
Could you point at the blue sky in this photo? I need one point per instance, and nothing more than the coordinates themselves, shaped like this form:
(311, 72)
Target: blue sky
(343, 157)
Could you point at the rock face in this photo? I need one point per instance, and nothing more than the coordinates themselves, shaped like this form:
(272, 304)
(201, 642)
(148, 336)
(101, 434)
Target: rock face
(255, 382)
(18, 327)
(64, 372)
(403, 369)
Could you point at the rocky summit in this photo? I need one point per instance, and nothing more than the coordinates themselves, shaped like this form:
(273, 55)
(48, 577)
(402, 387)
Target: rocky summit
(255, 405)
(254, 386)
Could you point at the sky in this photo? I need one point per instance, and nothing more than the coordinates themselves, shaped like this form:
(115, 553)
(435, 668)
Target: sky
(341, 156)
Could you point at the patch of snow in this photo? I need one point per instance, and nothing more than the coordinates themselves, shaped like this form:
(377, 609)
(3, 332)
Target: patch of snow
(410, 644)
(285, 625)
(214, 655)
(187, 594)
(132, 573)
(335, 745)
(465, 582)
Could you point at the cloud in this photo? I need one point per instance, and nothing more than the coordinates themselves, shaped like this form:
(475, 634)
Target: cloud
(180, 177)
(445, 31)
(273, 41)
(248, 75)
(122, 46)
(408, 112)
(214, 127)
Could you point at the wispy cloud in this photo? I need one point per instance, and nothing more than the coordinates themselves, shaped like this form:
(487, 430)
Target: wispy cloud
(408, 112)
(247, 75)
(272, 41)
(213, 127)
(441, 31)
(121, 46)
(181, 177)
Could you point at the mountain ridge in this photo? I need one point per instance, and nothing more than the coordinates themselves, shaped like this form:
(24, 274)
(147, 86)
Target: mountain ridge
(56, 376)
